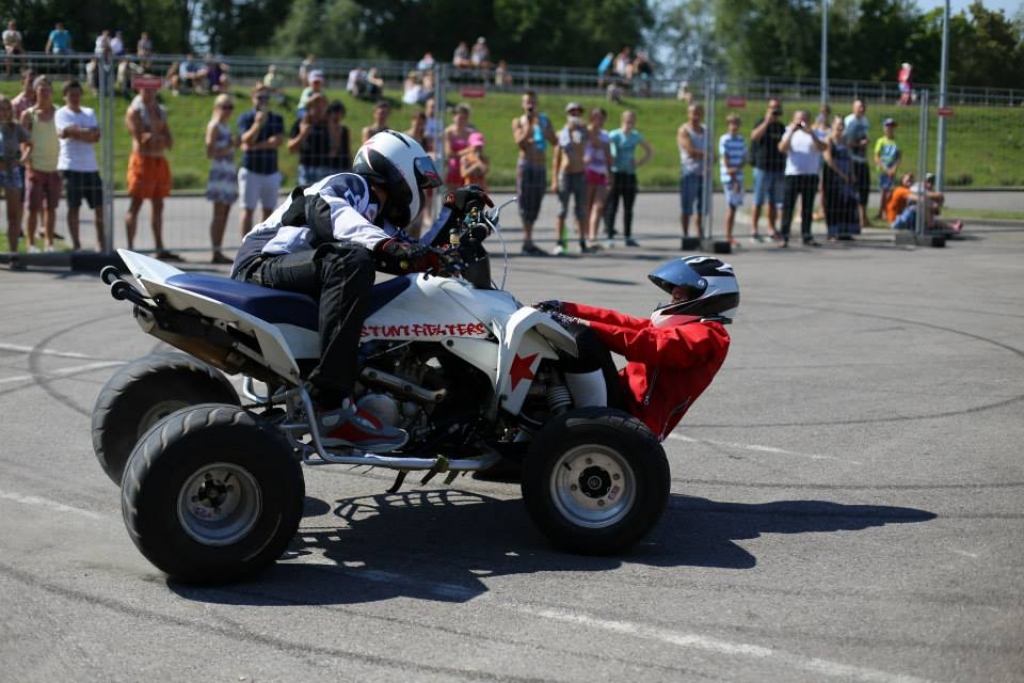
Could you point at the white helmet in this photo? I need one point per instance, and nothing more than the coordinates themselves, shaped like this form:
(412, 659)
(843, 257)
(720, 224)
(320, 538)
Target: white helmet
(400, 165)
(700, 286)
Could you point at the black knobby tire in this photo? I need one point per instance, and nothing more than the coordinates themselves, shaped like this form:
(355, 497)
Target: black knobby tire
(141, 394)
(595, 481)
(212, 494)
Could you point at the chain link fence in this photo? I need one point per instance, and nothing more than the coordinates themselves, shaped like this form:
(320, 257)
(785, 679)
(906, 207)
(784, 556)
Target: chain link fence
(989, 144)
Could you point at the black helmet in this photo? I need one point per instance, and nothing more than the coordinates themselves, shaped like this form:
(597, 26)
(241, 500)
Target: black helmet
(399, 164)
(700, 287)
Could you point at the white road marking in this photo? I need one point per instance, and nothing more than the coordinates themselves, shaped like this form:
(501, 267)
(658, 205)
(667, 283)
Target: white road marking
(17, 348)
(681, 639)
(760, 449)
(454, 591)
(696, 641)
(446, 591)
(60, 372)
(49, 504)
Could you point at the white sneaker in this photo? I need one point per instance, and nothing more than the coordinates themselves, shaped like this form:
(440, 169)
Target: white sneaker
(33, 249)
(609, 244)
(50, 249)
(559, 250)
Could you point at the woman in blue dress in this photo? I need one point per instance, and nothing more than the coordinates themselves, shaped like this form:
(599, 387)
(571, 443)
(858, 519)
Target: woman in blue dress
(839, 185)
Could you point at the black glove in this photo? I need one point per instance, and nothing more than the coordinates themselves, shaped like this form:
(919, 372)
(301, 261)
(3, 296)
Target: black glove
(466, 198)
(550, 306)
(399, 257)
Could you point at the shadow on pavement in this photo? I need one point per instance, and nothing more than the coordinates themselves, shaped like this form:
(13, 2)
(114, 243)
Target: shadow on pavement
(440, 544)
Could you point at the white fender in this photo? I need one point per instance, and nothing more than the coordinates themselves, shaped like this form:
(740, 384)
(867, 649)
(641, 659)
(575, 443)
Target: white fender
(528, 338)
(276, 342)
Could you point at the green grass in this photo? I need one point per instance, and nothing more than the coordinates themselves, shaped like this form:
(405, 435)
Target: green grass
(985, 144)
(982, 214)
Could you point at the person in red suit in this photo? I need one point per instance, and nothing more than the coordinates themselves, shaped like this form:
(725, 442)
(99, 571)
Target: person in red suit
(671, 357)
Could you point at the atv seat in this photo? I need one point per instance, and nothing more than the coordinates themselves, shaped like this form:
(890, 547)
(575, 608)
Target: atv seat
(276, 306)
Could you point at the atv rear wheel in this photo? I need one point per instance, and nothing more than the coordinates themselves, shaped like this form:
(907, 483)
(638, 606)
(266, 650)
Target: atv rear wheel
(595, 481)
(141, 394)
(212, 494)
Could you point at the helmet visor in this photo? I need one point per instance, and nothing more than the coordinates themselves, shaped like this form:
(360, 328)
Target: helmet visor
(426, 173)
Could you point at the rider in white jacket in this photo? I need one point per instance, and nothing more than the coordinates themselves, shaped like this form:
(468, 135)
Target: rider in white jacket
(327, 240)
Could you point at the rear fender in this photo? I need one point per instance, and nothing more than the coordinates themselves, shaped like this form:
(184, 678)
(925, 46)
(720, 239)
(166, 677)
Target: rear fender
(279, 345)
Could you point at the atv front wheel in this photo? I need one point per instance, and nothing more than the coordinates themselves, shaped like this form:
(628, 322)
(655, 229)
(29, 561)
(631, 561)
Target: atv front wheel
(212, 494)
(142, 393)
(595, 481)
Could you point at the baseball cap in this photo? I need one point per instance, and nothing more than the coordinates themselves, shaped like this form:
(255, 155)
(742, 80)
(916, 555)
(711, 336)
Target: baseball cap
(573, 105)
(890, 122)
(476, 139)
(316, 76)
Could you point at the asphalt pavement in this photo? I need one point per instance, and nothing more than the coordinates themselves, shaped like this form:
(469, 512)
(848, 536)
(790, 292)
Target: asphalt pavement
(846, 499)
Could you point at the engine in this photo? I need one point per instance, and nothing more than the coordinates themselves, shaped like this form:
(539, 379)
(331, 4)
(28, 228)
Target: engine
(412, 385)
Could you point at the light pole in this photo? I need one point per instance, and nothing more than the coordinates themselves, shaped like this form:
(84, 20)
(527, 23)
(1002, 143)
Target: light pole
(824, 52)
(940, 152)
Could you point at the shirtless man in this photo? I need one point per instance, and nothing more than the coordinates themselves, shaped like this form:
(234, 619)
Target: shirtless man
(149, 174)
(569, 180)
(533, 133)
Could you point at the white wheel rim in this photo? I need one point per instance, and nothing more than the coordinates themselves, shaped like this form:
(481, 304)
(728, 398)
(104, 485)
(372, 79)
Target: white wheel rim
(219, 504)
(593, 486)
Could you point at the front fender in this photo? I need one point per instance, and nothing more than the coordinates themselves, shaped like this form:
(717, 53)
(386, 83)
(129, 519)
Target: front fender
(529, 337)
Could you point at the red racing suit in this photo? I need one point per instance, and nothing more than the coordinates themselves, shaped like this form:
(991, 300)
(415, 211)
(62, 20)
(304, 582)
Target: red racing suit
(668, 367)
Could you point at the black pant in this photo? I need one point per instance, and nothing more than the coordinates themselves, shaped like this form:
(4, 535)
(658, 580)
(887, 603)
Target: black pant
(339, 275)
(862, 172)
(806, 186)
(624, 186)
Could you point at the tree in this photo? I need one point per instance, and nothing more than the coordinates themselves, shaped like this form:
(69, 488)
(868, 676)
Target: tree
(988, 49)
(328, 28)
(769, 37)
(683, 39)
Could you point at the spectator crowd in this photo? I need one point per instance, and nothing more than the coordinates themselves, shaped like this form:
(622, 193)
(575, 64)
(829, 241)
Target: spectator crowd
(47, 151)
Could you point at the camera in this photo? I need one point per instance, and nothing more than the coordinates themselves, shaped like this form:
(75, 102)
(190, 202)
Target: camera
(776, 112)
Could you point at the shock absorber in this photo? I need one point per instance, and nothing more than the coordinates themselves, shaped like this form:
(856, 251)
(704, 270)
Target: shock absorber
(559, 398)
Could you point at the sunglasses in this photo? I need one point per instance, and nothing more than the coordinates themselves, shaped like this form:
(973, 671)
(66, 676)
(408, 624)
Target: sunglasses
(226, 106)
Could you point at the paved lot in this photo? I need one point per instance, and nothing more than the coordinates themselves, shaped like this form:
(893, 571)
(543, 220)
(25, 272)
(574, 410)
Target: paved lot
(846, 502)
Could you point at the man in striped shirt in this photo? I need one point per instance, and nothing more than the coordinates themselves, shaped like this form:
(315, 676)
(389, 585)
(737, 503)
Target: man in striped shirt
(732, 153)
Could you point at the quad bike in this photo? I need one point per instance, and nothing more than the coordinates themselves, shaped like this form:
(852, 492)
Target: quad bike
(212, 488)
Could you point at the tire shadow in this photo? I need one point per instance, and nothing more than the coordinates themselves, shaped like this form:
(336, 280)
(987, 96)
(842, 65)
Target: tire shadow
(442, 544)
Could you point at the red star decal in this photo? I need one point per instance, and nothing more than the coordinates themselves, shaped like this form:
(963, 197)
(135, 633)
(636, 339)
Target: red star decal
(520, 369)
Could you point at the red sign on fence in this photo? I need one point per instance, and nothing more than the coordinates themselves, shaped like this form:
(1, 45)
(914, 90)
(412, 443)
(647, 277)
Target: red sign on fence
(736, 102)
(147, 82)
(945, 111)
(473, 91)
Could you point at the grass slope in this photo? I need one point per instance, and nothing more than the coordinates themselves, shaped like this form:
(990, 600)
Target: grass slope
(985, 144)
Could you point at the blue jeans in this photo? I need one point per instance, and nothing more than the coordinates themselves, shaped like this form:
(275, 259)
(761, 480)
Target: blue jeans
(769, 186)
(691, 191)
(311, 174)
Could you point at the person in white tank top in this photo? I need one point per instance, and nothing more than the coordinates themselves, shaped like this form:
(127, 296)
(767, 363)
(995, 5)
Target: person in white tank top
(691, 139)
